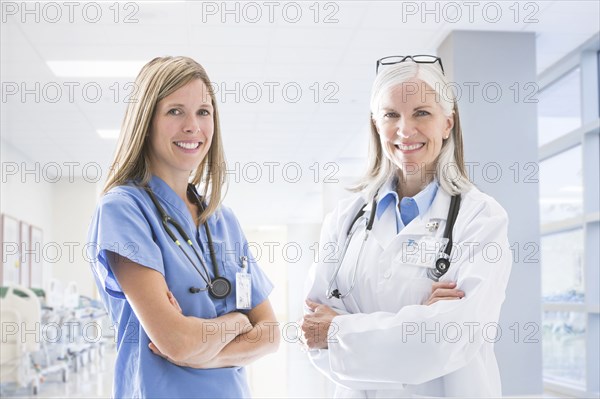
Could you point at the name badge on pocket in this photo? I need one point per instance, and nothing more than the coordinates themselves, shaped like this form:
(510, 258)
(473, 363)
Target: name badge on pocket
(243, 287)
(422, 252)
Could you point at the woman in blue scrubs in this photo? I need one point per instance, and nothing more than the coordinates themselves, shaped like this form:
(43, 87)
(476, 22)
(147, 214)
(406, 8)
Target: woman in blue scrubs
(174, 338)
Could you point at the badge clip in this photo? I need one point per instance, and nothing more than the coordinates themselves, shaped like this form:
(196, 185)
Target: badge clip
(432, 226)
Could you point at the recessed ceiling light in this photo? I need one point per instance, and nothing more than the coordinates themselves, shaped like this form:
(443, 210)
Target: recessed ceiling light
(109, 134)
(100, 69)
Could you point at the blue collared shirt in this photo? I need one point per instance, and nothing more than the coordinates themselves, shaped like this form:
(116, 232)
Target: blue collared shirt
(410, 207)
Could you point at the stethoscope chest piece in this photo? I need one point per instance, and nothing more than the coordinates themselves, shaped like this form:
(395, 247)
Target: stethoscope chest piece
(442, 264)
(220, 288)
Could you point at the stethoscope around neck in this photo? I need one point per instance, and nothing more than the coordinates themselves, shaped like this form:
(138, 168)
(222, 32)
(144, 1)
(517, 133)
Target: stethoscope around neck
(442, 264)
(218, 287)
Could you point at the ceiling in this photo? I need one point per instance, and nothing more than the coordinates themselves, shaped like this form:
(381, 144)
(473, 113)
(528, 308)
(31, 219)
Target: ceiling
(293, 95)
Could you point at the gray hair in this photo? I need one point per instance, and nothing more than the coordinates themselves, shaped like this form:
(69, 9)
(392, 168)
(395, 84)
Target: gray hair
(450, 167)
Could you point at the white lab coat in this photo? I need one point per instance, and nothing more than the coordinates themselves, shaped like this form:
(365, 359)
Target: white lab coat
(386, 343)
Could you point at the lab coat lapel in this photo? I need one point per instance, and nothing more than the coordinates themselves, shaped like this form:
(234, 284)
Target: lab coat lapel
(384, 228)
(437, 211)
(439, 207)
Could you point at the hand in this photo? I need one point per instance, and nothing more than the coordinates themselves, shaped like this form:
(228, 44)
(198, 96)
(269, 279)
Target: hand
(316, 325)
(444, 290)
(242, 326)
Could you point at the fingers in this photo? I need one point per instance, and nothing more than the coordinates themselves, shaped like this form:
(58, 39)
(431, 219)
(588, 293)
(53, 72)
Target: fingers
(307, 334)
(311, 305)
(315, 327)
(302, 336)
(307, 331)
(319, 309)
(302, 342)
(444, 290)
(314, 335)
(444, 294)
(447, 292)
(443, 284)
(431, 301)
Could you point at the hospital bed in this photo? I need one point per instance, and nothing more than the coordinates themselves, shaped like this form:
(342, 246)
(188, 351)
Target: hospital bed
(47, 332)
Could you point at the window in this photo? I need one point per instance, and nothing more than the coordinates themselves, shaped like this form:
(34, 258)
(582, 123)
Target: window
(568, 139)
(561, 186)
(563, 343)
(562, 267)
(559, 107)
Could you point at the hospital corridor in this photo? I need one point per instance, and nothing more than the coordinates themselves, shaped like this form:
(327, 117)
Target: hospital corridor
(300, 199)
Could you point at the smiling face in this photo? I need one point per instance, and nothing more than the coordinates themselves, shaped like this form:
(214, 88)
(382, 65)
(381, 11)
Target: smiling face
(181, 131)
(412, 126)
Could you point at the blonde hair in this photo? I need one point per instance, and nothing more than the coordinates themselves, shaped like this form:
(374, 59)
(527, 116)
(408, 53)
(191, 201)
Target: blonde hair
(158, 79)
(380, 168)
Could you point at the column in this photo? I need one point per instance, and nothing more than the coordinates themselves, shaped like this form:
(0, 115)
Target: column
(495, 73)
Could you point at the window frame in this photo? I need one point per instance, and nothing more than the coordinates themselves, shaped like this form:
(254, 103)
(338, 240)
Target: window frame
(587, 58)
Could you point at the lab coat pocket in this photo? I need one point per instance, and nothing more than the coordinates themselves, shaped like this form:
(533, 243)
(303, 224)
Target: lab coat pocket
(419, 285)
(401, 283)
(406, 285)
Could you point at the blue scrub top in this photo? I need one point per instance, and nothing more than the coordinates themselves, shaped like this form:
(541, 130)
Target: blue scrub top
(127, 222)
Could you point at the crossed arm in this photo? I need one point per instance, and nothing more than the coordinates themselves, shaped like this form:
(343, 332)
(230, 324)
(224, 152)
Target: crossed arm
(257, 340)
(315, 325)
(233, 339)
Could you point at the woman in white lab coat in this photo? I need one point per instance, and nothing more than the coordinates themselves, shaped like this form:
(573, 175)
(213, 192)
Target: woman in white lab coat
(381, 327)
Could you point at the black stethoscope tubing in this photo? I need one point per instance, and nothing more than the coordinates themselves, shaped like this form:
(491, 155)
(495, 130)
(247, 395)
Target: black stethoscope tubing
(362, 212)
(218, 287)
(442, 264)
(336, 292)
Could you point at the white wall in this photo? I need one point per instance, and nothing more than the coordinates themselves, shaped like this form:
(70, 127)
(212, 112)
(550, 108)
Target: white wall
(60, 205)
(74, 202)
(25, 194)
